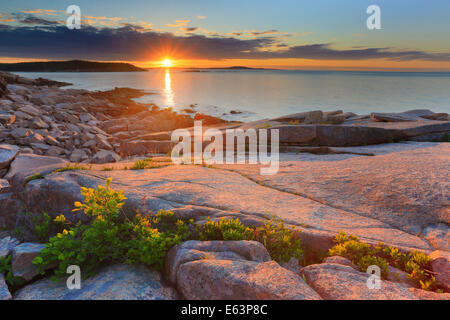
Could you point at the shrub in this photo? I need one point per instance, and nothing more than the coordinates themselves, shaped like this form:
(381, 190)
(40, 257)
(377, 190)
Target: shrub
(110, 237)
(416, 264)
(281, 243)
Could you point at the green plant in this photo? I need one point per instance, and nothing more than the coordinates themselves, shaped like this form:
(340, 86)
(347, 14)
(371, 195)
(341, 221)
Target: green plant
(225, 229)
(5, 268)
(35, 176)
(109, 236)
(70, 167)
(282, 243)
(107, 169)
(445, 138)
(416, 264)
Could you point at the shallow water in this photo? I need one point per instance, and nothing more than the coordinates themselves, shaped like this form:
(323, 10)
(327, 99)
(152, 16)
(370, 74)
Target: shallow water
(269, 93)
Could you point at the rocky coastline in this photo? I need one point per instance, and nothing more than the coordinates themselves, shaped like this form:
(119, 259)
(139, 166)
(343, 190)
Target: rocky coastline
(382, 177)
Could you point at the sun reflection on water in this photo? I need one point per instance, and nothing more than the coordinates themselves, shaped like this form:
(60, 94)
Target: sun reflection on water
(168, 92)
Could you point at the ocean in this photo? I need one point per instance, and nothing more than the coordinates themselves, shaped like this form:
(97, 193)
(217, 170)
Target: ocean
(258, 94)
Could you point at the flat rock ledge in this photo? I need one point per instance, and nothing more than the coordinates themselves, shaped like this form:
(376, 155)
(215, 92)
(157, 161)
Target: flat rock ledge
(117, 282)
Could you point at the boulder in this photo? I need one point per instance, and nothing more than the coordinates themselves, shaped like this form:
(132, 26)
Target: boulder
(240, 280)
(55, 151)
(314, 117)
(22, 260)
(4, 292)
(440, 262)
(338, 282)
(78, 155)
(222, 250)
(102, 142)
(7, 154)
(105, 156)
(7, 244)
(117, 282)
(32, 111)
(25, 165)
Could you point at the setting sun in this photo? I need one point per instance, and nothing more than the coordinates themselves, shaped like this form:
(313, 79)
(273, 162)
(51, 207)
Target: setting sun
(167, 63)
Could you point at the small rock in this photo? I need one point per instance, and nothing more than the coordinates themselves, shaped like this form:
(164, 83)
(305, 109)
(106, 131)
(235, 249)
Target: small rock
(50, 140)
(105, 156)
(38, 123)
(293, 265)
(78, 156)
(30, 110)
(55, 151)
(22, 260)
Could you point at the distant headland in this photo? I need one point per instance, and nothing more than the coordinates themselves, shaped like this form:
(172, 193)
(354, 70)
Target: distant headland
(70, 66)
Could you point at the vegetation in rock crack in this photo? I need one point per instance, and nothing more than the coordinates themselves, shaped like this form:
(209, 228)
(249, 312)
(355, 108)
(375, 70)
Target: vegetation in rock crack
(281, 242)
(71, 168)
(35, 176)
(416, 264)
(110, 237)
(6, 270)
(145, 164)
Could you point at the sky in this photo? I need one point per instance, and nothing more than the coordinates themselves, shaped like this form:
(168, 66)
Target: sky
(291, 34)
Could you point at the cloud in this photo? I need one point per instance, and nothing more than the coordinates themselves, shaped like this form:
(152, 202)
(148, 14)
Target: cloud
(178, 23)
(201, 17)
(41, 12)
(39, 21)
(135, 43)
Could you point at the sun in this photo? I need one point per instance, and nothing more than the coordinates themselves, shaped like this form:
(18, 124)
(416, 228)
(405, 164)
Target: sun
(167, 63)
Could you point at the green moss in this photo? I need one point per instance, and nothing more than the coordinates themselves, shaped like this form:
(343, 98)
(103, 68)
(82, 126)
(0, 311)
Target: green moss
(35, 176)
(70, 168)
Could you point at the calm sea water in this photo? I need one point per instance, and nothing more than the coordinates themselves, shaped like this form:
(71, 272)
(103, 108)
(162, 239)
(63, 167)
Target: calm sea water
(270, 93)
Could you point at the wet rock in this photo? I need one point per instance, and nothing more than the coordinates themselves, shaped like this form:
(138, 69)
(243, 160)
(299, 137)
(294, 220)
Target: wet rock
(78, 156)
(117, 282)
(22, 260)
